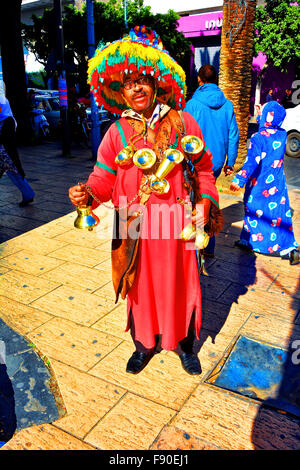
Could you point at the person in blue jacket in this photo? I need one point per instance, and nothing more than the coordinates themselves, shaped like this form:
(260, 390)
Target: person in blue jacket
(215, 115)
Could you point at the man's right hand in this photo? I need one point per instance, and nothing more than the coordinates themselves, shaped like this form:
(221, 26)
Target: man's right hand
(78, 195)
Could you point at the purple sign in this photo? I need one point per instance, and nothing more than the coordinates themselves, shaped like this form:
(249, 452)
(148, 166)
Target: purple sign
(206, 24)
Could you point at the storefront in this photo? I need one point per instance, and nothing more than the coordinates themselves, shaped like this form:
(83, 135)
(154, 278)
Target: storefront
(204, 31)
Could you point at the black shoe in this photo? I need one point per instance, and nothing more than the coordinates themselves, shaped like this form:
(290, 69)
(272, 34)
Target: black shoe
(25, 203)
(208, 254)
(294, 257)
(190, 363)
(138, 361)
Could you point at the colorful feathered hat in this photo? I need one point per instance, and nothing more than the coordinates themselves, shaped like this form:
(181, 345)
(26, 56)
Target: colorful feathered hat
(140, 51)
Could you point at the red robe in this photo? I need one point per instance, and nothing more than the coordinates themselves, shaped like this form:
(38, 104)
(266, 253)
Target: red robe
(166, 290)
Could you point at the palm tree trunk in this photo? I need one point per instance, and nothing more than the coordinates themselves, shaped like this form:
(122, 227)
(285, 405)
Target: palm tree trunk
(236, 63)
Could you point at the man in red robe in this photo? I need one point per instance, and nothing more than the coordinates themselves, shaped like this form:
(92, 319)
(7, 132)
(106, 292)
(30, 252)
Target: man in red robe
(156, 270)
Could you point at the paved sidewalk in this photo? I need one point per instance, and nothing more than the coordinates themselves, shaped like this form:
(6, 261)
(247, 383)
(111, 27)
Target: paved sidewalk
(56, 290)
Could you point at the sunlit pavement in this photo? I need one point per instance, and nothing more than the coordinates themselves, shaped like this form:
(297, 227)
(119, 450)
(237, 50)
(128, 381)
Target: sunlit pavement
(56, 291)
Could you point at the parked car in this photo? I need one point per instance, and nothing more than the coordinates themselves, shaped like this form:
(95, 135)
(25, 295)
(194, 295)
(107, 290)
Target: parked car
(105, 119)
(292, 125)
(45, 92)
(51, 107)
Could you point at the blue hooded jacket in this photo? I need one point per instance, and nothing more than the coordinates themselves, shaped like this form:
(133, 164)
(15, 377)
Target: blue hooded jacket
(215, 116)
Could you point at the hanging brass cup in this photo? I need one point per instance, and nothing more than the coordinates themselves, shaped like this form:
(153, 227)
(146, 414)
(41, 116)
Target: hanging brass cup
(85, 218)
(192, 144)
(191, 233)
(202, 240)
(125, 156)
(157, 182)
(188, 233)
(144, 158)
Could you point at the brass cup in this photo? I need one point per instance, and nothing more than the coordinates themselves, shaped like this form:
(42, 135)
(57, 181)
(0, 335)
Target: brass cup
(125, 156)
(85, 218)
(188, 233)
(192, 144)
(144, 158)
(160, 186)
(202, 240)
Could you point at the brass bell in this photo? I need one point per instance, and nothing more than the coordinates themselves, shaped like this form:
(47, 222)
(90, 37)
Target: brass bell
(85, 218)
(125, 156)
(192, 144)
(202, 240)
(144, 158)
(157, 182)
(188, 233)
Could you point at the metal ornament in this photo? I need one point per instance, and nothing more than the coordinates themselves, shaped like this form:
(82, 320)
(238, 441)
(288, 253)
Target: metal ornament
(158, 186)
(202, 240)
(188, 233)
(157, 182)
(85, 218)
(144, 158)
(192, 144)
(125, 156)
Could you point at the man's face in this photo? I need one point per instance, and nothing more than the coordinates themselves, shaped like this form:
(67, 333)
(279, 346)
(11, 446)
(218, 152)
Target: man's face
(138, 90)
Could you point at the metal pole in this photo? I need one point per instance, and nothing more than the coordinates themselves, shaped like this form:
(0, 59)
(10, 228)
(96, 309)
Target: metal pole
(2, 91)
(62, 83)
(96, 131)
(125, 13)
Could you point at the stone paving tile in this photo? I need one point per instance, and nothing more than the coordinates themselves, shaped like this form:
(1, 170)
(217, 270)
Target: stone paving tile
(87, 399)
(24, 287)
(235, 423)
(80, 254)
(73, 344)
(286, 285)
(35, 242)
(76, 305)
(34, 212)
(232, 272)
(271, 329)
(12, 221)
(21, 317)
(50, 230)
(106, 290)
(29, 262)
(7, 233)
(83, 238)
(163, 380)
(172, 438)
(132, 424)
(114, 323)
(72, 275)
(261, 301)
(45, 437)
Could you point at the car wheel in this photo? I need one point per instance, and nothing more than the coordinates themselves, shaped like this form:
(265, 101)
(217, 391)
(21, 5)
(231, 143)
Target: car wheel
(293, 144)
